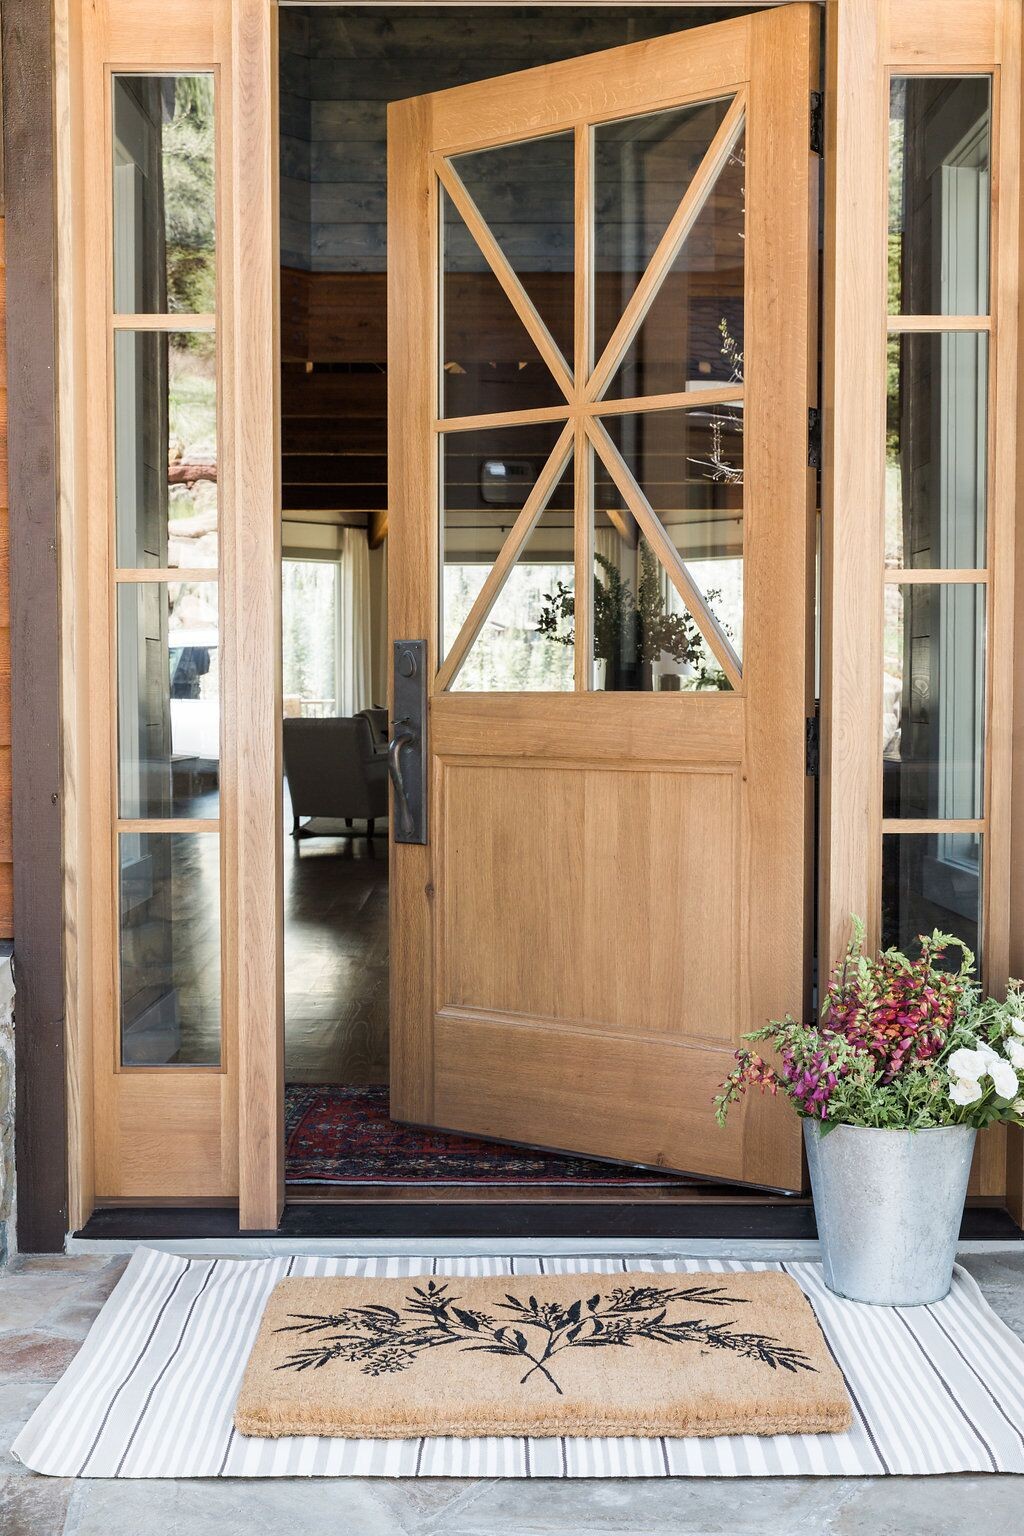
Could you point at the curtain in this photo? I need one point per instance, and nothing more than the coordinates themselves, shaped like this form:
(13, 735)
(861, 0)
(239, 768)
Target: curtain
(381, 659)
(355, 681)
(608, 543)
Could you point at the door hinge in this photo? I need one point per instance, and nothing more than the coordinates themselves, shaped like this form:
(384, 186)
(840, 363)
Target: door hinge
(813, 437)
(812, 746)
(817, 123)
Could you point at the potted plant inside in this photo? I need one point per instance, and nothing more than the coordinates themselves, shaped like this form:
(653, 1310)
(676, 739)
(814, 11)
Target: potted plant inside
(639, 627)
(907, 1062)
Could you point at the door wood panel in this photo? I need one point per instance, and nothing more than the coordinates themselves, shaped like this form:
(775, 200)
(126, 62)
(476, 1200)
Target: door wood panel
(616, 886)
(621, 899)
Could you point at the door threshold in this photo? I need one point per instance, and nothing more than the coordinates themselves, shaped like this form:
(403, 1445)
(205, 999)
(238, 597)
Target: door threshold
(534, 1194)
(416, 1222)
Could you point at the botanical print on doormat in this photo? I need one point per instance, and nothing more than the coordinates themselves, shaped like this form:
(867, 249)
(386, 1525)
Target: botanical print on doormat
(586, 1354)
(339, 1133)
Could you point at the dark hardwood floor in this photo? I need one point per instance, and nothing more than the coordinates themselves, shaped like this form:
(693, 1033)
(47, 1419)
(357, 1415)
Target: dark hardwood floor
(336, 957)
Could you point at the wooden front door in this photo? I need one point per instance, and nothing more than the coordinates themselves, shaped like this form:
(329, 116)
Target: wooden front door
(601, 522)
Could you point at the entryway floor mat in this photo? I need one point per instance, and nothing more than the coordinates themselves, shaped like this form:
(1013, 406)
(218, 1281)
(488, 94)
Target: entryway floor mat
(341, 1133)
(153, 1391)
(586, 1354)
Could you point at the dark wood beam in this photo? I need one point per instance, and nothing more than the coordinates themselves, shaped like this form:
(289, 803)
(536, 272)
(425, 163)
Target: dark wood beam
(40, 1125)
(333, 498)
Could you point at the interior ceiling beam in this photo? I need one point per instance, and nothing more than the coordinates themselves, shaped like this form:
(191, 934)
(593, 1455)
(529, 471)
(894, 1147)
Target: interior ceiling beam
(377, 528)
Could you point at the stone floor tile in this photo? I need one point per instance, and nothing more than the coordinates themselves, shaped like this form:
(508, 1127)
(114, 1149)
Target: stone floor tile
(62, 1263)
(1001, 1277)
(930, 1506)
(34, 1506)
(75, 1314)
(649, 1507)
(1004, 1267)
(239, 1507)
(18, 1401)
(73, 1320)
(27, 1298)
(35, 1356)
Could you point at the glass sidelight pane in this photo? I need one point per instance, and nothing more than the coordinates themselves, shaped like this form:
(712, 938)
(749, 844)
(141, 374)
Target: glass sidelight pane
(170, 949)
(642, 168)
(164, 202)
(939, 195)
(937, 450)
(692, 335)
(165, 449)
(168, 704)
(689, 465)
(933, 755)
(490, 362)
(525, 194)
(932, 880)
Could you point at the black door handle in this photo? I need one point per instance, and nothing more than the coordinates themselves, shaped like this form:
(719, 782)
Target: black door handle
(407, 749)
(404, 736)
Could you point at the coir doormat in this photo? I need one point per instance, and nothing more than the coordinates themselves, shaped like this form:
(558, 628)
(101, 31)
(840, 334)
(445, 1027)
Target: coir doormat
(585, 1354)
(154, 1389)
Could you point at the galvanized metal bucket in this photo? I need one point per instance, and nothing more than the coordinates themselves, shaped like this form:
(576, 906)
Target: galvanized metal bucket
(888, 1206)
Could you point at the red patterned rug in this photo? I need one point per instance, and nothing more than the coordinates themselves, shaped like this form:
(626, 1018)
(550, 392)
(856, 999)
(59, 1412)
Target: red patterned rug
(340, 1135)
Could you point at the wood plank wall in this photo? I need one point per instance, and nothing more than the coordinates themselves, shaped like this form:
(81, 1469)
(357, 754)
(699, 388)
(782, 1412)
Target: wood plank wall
(341, 66)
(6, 861)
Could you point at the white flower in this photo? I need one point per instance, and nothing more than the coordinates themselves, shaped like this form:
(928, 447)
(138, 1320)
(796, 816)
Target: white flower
(984, 1049)
(968, 1064)
(964, 1090)
(1018, 1107)
(1015, 1051)
(1017, 1025)
(1004, 1079)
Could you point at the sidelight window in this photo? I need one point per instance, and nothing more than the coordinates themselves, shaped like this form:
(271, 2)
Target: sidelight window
(937, 537)
(166, 554)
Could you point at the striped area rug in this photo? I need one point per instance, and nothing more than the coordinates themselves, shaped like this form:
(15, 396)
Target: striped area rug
(152, 1392)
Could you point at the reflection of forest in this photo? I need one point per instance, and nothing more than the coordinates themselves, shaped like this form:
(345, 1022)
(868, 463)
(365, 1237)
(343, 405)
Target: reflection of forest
(187, 165)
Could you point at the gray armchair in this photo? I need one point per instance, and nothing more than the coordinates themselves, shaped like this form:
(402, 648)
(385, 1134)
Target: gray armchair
(335, 770)
(378, 718)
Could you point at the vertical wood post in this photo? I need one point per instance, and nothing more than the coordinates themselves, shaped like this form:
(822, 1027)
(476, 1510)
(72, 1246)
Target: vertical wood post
(853, 478)
(40, 1129)
(256, 620)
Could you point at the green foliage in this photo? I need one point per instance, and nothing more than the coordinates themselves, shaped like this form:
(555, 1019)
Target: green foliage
(625, 624)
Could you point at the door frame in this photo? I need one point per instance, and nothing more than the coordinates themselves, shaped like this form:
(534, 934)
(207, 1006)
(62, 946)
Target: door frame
(51, 913)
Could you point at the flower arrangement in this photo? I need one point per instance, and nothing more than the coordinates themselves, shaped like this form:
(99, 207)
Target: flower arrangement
(901, 1044)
